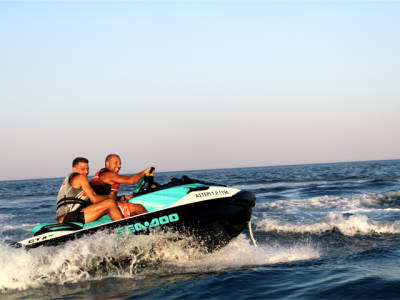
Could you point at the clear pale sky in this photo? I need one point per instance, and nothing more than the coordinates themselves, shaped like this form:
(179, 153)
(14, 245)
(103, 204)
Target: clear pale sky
(184, 85)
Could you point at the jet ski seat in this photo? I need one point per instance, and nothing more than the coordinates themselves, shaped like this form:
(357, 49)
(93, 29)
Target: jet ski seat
(50, 227)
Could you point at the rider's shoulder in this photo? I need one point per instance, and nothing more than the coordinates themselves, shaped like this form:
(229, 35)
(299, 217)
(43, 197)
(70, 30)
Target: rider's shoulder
(76, 177)
(110, 174)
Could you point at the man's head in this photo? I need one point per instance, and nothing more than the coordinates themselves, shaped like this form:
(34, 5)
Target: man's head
(113, 163)
(80, 165)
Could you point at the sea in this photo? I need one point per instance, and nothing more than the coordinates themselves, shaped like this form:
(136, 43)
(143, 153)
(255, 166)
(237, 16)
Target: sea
(321, 231)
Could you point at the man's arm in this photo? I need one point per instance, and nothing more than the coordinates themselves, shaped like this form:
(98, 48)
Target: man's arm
(111, 177)
(81, 182)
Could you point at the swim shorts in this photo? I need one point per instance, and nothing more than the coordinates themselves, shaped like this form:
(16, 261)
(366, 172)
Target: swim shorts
(129, 209)
(74, 216)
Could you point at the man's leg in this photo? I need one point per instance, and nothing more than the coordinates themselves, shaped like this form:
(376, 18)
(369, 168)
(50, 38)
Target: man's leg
(137, 209)
(95, 211)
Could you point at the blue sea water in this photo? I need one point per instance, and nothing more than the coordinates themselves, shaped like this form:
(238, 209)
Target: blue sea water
(324, 231)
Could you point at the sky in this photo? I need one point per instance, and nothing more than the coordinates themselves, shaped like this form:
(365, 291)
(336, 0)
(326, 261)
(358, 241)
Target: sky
(185, 85)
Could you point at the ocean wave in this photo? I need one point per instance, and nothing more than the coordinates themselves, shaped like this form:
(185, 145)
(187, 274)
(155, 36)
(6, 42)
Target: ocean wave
(103, 256)
(9, 231)
(388, 200)
(5, 217)
(291, 184)
(349, 226)
(323, 202)
(359, 202)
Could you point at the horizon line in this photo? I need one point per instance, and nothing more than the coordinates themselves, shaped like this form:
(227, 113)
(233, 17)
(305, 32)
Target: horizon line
(225, 168)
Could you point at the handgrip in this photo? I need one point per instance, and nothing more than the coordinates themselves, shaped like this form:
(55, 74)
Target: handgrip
(149, 179)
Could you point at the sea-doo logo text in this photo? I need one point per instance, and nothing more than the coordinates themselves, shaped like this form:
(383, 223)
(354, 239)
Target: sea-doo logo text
(153, 223)
(212, 193)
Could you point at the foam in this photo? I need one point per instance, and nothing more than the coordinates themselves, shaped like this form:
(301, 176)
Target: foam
(387, 200)
(240, 253)
(350, 226)
(101, 256)
(359, 202)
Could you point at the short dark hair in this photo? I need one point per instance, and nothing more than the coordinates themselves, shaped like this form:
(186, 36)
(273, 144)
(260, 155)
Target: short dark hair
(111, 155)
(78, 160)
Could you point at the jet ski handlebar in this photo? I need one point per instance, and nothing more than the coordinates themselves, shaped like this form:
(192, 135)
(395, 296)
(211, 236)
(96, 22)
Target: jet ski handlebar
(149, 178)
(142, 183)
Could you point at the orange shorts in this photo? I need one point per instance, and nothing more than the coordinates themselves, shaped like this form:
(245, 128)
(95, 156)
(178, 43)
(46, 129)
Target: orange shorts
(130, 209)
(125, 208)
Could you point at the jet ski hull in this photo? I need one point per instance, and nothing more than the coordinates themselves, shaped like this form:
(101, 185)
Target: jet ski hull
(214, 222)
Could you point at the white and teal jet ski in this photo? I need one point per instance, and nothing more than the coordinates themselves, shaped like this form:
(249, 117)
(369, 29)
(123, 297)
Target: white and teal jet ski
(211, 212)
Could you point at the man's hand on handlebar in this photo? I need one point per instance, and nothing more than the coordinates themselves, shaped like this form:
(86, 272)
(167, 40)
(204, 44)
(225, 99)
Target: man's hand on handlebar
(149, 171)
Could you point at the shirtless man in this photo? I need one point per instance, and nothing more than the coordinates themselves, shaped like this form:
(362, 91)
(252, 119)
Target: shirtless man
(107, 181)
(76, 200)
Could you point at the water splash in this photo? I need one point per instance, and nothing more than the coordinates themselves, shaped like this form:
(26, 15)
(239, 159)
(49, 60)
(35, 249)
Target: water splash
(103, 256)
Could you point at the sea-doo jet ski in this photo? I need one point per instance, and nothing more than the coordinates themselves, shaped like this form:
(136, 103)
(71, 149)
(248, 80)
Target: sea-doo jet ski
(212, 213)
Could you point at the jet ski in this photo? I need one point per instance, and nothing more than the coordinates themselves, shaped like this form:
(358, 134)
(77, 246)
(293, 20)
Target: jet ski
(213, 213)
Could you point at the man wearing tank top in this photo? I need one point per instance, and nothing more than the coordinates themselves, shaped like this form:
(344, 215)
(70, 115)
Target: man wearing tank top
(77, 201)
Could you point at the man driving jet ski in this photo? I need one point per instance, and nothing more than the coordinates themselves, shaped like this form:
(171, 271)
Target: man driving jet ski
(107, 181)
